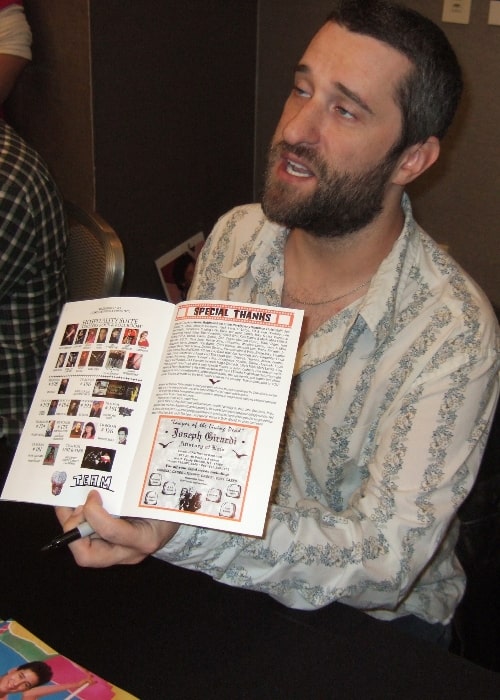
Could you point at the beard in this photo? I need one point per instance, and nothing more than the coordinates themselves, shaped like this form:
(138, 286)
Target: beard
(342, 203)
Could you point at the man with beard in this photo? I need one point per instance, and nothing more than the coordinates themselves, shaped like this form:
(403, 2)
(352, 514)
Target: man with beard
(397, 370)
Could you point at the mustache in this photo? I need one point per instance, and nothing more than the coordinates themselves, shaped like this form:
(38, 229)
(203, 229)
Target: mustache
(301, 151)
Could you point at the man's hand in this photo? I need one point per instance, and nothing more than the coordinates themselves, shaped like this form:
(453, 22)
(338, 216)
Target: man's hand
(117, 540)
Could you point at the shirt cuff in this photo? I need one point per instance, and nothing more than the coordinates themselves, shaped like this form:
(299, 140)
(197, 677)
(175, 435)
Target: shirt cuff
(176, 544)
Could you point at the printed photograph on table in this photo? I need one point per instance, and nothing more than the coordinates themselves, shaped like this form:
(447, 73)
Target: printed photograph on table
(29, 668)
(176, 268)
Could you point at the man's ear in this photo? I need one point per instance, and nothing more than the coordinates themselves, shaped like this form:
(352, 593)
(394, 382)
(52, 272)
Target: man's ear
(415, 160)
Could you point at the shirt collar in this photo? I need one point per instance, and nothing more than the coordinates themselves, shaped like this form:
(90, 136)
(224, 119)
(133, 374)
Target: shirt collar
(377, 309)
(383, 299)
(264, 261)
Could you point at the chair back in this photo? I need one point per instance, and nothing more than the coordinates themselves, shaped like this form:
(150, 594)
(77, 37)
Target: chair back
(95, 261)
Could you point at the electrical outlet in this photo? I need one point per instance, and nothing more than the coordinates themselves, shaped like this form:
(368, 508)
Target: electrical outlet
(456, 11)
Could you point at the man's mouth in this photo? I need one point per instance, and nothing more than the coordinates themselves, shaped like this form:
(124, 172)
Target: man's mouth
(296, 169)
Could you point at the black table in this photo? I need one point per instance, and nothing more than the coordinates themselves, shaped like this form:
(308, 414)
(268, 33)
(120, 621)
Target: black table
(158, 631)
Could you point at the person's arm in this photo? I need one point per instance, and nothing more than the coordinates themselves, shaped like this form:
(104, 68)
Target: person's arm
(11, 68)
(369, 554)
(18, 250)
(15, 47)
(43, 691)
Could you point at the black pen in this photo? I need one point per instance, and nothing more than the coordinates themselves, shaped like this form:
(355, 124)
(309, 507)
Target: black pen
(83, 530)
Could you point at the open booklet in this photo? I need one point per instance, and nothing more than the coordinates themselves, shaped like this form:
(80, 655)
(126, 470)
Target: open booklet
(50, 674)
(171, 411)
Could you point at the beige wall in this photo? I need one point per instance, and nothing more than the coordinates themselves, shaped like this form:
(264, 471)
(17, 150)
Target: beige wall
(145, 113)
(51, 105)
(458, 202)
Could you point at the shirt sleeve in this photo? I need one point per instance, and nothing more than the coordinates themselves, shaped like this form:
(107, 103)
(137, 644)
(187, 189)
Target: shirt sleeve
(374, 551)
(18, 249)
(15, 32)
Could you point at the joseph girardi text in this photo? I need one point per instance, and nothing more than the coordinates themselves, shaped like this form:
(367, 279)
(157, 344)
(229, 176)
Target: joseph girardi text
(208, 437)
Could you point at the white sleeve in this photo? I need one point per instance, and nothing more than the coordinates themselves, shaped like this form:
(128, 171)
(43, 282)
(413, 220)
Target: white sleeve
(15, 32)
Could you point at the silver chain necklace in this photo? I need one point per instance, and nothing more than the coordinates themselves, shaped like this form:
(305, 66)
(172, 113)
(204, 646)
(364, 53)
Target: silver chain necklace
(327, 301)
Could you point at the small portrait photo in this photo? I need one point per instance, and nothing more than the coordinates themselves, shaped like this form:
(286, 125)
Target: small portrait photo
(73, 407)
(76, 430)
(80, 336)
(122, 435)
(50, 454)
(130, 336)
(91, 335)
(50, 428)
(98, 458)
(190, 500)
(115, 359)
(63, 385)
(84, 358)
(106, 460)
(115, 335)
(134, 360)
(125, 412)
(72, 358)
(132, 391)
(101, 387)
(103, 335)
(96, 409)
(69, 334)
(97, 358)
(88, 432)
(143, 339)
(53, 407)
(61, 359)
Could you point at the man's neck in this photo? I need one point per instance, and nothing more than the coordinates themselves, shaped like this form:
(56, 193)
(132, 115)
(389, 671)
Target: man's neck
(324, 275)
(313, 263)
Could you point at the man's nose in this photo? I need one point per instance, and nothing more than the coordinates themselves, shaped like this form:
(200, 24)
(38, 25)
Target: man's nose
(303, 124)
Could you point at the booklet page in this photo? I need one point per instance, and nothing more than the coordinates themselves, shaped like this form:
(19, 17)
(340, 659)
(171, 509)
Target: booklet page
(87, 414)
(170, 412)
(217, 416)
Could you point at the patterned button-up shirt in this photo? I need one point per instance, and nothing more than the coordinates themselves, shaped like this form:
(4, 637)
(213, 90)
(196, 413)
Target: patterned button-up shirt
(387, 419)
(33, 240)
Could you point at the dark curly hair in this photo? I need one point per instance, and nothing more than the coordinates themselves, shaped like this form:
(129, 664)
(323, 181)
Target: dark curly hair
(42, 670)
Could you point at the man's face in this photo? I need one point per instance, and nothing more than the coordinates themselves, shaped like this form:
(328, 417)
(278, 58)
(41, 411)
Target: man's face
(331, 161)
(17, 681)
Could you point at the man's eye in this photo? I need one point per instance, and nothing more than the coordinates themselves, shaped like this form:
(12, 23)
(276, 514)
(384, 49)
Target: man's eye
(299, 92)
(344, 112)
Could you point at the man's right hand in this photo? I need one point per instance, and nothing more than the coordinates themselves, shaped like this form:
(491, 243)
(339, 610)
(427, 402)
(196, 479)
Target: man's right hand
(116, 540)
